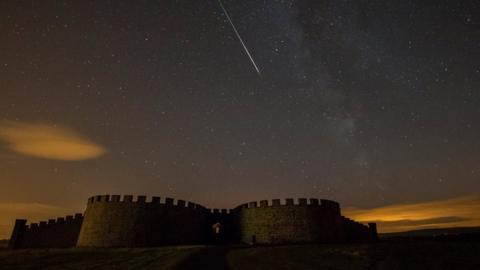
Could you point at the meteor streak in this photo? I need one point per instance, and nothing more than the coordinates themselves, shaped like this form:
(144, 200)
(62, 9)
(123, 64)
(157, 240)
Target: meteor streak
(240, 38)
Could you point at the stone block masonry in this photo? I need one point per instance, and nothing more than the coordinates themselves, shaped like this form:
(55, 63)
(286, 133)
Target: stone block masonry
(129, 221)
(55, 233)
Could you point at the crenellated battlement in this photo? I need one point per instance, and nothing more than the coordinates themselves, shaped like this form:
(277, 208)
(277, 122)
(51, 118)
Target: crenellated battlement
(77, 218)
(217, 211)
(54, 233)
(312, 202)
(142, 199)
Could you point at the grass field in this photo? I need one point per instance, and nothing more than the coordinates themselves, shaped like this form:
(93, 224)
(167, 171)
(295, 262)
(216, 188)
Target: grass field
(384, 255)
(3, 243)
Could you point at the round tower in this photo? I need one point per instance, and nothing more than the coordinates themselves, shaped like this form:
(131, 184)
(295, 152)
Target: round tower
(300, 221)
(113, 221)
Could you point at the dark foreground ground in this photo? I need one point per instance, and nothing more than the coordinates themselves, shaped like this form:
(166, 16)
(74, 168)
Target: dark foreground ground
(392, 254)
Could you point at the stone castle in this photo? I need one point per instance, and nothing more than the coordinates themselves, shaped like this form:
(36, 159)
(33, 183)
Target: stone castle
(113, 221)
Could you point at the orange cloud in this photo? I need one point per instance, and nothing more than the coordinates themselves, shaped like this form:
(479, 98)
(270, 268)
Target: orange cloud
(47, 141)
(456, 212)
(31, 211)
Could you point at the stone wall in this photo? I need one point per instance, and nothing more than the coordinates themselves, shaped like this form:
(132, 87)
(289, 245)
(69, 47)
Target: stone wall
(60, 233)
(292, 222)
(357, 232)
(112, 221)
(227, 230)
(115, 221)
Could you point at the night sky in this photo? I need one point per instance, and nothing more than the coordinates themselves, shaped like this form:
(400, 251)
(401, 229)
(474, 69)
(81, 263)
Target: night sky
(375, 104)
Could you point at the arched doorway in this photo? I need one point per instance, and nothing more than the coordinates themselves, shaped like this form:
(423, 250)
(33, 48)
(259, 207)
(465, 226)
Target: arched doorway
(217, 228)
(218, 233)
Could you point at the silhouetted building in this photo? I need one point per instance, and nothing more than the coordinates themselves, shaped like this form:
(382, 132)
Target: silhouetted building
(113, 221)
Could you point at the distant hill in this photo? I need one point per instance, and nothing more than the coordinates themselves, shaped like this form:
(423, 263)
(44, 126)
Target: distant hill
(435, 232)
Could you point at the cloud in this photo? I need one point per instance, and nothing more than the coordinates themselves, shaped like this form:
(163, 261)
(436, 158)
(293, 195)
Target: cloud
(421, 222)
(34, 212)
(456, 212)
(48, 141)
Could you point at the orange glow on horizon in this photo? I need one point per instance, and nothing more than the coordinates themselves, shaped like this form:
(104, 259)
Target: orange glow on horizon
(456, 212)
(33, 212)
